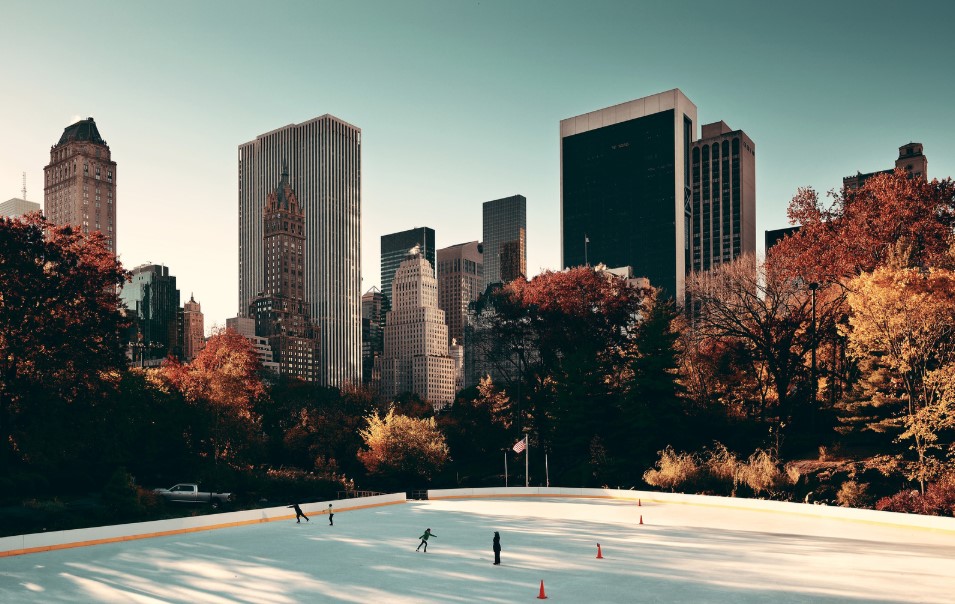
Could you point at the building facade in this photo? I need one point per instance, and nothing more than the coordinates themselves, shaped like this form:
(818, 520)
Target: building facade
(723, 218)
(281, 312)
(192, 329)
(416, 355)
(80, 182)
(460, 282)
(152, 300)
(504, 228)
(625, 188)
(245, 327)
(394, 249)
(324, 164)
(911, 159)
(13, 208)
(373, 309)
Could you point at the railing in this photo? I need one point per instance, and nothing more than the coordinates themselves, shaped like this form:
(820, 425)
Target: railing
(354, 494)
(422, 495)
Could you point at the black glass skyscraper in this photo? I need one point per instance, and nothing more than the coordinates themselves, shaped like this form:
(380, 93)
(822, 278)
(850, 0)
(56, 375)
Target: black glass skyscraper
(394, 249)
(625, 188)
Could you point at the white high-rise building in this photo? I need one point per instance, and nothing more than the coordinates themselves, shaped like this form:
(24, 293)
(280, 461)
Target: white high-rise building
(324, 166)
(416, 355)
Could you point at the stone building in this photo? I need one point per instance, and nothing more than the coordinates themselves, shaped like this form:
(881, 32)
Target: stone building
(193, 333)
(460, 282)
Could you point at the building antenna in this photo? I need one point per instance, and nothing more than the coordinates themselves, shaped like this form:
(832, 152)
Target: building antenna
(24, 190)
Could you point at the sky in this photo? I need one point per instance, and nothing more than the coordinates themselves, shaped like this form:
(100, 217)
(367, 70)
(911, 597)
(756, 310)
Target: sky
(459, 103)
(706, 551)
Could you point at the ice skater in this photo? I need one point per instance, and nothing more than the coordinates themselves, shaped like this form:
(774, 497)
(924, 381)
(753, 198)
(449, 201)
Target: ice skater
(299, 514)
(424, 540)
(496, 544)
(331, 515)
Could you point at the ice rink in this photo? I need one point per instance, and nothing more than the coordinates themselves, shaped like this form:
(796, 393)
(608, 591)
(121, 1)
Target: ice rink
(682, 553)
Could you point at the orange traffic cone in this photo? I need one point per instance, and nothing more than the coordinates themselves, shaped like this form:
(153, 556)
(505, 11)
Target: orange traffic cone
(638, 503)
(641, 518)
(599, 555)
(542, 595)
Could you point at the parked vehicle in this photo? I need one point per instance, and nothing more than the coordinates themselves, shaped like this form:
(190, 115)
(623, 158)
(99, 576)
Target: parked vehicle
(188, 492)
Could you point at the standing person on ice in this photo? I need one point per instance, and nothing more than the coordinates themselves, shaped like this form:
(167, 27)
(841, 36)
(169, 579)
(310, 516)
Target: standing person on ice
(424, 540)
(299, 514)
(496, 544)
(331, 515)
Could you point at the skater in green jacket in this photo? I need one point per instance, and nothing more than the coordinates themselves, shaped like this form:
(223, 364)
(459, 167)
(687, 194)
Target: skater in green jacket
(424, 540)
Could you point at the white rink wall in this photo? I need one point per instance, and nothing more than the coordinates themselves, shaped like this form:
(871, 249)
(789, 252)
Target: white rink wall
(38, 542)
(937, 523)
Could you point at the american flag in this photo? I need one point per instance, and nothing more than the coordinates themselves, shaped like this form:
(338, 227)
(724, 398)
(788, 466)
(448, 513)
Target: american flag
(519, 446)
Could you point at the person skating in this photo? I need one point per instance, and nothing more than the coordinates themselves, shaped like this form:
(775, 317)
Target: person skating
(424, 540)
(497, 547)
(331, 515)
(299, 514)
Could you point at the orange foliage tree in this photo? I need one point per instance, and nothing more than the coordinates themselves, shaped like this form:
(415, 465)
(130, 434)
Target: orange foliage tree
(60, 320)
(402, 447)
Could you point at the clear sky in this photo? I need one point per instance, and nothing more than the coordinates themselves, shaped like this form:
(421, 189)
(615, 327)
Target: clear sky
(458, 102)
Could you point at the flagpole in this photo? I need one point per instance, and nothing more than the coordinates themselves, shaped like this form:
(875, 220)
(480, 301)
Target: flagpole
(546, 470)
(505, 468)
(527, 456)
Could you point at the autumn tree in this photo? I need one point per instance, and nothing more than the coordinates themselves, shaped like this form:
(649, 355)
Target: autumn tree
(771, 315)
(60, 323)
(902, 323)
(224, 380)
(857, 232)
(398, 447)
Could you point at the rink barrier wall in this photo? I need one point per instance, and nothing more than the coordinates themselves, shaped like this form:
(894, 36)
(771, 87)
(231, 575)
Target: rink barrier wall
(54, 540)
(919, 521)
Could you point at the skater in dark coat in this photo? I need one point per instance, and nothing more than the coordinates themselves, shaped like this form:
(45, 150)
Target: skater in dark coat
(497, 547)
(424, 540)
(299, 514)
(330, 515)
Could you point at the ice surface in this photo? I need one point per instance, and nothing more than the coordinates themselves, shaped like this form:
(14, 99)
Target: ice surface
(682, 553)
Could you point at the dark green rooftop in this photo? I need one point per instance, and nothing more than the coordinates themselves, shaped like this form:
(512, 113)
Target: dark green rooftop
(83, 130)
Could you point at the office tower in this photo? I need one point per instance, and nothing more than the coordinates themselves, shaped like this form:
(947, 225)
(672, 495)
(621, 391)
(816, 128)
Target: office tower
(245, 327)
(394, 249)
(80, 182)
(505, 239)
(774, 236)
(373, 309)
(416, 355)
(460, 281)
(153, 300)
(324, 161)
(193, 333)
(911, 159)
(625, 188)
(724, 196)
(13, 208)
(281, 311)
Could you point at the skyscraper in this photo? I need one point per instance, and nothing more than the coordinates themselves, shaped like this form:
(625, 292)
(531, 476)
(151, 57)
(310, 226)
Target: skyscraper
(505, 239)
(80, 182)
(394, 249)
(625, 188)
(281, 312)
(324, 162)
(373, 309)
(152, 298)
(416, 355)
(724, 196)
(460, 281)
(193, 333)
(12, 208)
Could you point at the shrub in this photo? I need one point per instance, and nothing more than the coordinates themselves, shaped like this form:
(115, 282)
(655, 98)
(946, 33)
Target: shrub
(908, 501)
(673, 470)
(762, 474)
(853, 494)
(721, 471)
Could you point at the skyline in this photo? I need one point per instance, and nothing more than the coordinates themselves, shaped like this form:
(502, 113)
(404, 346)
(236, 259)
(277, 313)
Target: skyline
(458, 105)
